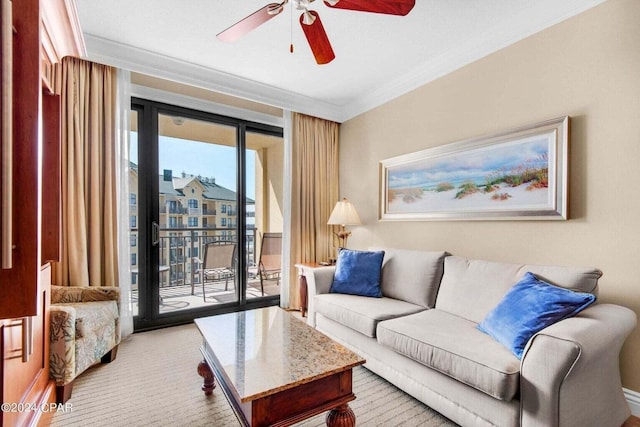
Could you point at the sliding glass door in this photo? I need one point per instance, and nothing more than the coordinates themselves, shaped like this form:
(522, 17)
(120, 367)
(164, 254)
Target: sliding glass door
(202, 196)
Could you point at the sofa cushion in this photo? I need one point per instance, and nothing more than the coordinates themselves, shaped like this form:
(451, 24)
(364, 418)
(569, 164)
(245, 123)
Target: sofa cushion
(412, 276)
(528, 307)
(362, 313)
(452, 345)
(358, 273)
(472, 288)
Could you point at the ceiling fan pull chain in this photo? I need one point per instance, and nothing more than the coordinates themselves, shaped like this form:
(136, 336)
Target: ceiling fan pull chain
(291, 29)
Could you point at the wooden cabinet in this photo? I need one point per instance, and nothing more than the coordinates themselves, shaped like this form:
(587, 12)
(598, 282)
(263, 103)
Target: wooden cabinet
(19, 284)
(25, 362)
(40, 33)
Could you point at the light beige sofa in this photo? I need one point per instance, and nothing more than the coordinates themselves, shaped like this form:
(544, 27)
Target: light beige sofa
(422, 337)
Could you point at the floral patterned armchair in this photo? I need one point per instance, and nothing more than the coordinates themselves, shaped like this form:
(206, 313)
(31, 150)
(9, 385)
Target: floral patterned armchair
(85, 330)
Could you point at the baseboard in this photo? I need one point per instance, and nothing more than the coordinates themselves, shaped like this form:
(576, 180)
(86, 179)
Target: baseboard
(633, 397)
(49, 397)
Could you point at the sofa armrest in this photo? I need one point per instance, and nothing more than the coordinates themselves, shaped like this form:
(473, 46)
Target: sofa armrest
(64, 294)
(570, 372)
(319, 281)
(62, 352)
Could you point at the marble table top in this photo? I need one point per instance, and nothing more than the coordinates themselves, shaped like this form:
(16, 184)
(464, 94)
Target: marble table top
(263, 351)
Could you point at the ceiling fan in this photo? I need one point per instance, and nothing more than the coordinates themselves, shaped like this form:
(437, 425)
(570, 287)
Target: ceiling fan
(310, 21)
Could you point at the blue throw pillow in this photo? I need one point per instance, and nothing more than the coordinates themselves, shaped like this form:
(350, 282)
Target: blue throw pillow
(358, 273)
(528, 307)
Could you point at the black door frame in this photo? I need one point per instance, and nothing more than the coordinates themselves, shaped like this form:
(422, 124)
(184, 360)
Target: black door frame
(149, 316)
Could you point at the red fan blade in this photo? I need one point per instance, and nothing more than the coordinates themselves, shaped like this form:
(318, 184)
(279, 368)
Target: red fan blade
(251, 22)
(388, 7)
(317, 37)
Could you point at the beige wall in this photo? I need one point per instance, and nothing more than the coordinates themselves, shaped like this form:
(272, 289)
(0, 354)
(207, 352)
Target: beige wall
(275, 181)
(196, 92)
(270, 187)
(587, 67)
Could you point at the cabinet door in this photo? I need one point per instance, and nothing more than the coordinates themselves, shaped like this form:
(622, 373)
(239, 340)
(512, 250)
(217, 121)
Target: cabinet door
(18, 285)
(25, 364)
(51, 178)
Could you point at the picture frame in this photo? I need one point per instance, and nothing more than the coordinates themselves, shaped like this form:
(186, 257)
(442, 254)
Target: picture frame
(519, 174)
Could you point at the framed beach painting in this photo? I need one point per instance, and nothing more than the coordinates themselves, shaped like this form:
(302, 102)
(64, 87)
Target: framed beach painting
(519, 174)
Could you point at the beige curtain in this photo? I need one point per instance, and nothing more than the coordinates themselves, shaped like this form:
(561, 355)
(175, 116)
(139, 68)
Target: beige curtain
(89, 211)
(315, 192)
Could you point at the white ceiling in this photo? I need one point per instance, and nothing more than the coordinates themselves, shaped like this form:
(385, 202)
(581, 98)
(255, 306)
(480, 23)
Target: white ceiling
(378, 57)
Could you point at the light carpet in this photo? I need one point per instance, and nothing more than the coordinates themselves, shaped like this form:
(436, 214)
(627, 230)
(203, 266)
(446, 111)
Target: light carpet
(153, 382)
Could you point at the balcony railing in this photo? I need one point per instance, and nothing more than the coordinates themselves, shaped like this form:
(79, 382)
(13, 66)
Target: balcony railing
(175, 211)
(180, 255)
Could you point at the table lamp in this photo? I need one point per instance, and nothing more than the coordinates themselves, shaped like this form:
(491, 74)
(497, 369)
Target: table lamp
(344, 214)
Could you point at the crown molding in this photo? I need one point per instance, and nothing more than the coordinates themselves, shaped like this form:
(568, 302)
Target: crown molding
(61, 33)
(529, 21)
(142, 61)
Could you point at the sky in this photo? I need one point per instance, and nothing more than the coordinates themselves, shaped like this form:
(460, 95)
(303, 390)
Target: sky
(471, 165)
(197, 158)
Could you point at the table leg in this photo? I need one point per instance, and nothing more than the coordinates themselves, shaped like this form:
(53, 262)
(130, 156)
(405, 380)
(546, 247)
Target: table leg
(209, 381)
(342, 416)
(303, 295)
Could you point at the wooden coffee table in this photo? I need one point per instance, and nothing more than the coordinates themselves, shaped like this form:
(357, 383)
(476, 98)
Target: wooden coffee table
(275, 370)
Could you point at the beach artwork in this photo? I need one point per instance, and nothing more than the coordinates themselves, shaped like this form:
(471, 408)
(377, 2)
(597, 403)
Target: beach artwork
(513, 177)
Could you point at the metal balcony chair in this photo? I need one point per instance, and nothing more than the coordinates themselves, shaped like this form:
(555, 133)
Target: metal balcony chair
(218, 263)
(270, 260)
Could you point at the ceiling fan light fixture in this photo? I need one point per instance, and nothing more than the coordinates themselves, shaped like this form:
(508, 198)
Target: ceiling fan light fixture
(308, 18)
(302, 4)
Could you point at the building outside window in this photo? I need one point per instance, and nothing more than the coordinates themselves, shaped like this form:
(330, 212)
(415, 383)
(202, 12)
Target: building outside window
(193, 203)
(193, 221)
(134, 260)
(134, 221)
(224, 222)
(133, 240)
(133, 199)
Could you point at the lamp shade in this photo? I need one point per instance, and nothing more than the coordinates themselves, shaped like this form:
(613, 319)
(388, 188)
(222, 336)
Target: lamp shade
(344, 214)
